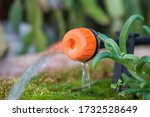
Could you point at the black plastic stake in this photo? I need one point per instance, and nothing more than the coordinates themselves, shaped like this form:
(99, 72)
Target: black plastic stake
(119, 69)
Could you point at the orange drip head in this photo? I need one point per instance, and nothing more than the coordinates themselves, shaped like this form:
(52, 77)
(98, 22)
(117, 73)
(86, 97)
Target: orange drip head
(80, 44)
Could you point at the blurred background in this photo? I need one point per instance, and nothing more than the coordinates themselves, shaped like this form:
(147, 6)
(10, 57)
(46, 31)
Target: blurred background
(30, 26)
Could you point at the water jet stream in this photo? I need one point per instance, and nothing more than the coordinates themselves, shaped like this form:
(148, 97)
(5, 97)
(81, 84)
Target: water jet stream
(24, 80)
(20, 86)
(85, 76)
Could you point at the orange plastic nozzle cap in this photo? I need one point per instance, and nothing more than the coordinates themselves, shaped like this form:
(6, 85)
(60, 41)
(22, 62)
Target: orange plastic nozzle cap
(80, 44)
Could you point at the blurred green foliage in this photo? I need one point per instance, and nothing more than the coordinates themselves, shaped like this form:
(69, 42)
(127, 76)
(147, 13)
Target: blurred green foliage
(15, 15)
(107, 16)
(3, 44)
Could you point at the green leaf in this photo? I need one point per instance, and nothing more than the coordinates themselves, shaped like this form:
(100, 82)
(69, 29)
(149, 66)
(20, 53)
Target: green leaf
(27, 41)
(43, 4)
(126, 77)
(61, 23)
(125, 30)
(147, 29)
(68, 3)
(15, 15)
(99, 57)
(35, 17)
(113, 86)
(117, 85)
(103, 55)
(136, 90)
(146, 96)
(75, 10)
(130, 81)
(132, 7)
(102, 37)
(130, 57)
(112, 46)
(119, 81)
(130, 61)
(92, 9)
(34, 13)
(147, 69)
(141, 63)
(145, 84)
(136, 76)
(116, 10)
(40, 41)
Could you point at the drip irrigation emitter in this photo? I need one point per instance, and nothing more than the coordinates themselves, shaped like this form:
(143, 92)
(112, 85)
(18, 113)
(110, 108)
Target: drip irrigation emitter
(82, 44)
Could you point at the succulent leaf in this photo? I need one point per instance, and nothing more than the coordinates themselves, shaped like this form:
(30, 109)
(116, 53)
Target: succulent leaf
(125, 31)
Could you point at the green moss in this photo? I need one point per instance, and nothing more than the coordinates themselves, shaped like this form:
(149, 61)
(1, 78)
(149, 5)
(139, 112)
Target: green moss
(66, 91)
(5, 87)
(45, 86)
(65, 86)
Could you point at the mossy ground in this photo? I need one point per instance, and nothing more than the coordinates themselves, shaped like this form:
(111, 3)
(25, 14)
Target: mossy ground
(66, 86)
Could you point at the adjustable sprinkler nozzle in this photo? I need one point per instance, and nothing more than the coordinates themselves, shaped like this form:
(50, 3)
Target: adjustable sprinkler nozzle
(80, 44)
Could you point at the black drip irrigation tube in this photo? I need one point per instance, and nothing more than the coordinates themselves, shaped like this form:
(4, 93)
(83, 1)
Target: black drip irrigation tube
(142, 41)
(137, 40)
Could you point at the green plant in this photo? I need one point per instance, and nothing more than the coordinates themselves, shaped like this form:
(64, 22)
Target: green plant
(34, 15)
(147, 29)
(63, 15)
(139, 79)
(15, 15)
(3, 44)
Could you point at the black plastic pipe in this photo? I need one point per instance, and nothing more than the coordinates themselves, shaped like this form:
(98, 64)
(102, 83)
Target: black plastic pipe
(138, 41)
